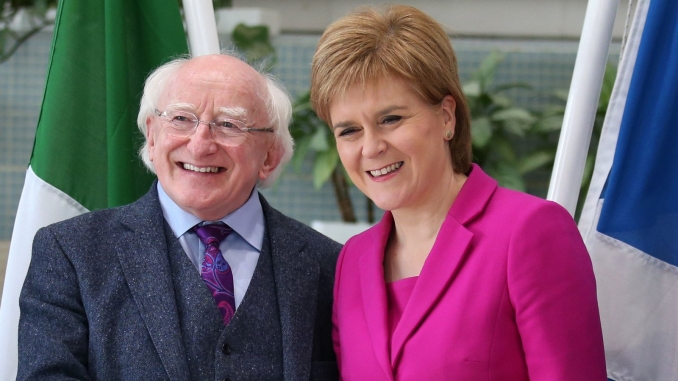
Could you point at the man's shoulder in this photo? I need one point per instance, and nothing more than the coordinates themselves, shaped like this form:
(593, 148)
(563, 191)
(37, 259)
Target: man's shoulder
(280, 224)
(103, 219)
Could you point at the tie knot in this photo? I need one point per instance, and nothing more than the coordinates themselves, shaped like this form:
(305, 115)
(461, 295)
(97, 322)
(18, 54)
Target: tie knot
(212, 233)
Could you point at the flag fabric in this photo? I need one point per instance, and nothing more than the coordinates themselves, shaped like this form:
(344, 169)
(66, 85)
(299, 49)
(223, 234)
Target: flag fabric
(630, 218)
(85, 151)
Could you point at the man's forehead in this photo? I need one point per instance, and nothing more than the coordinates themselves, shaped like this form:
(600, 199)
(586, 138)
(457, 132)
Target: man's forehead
(229, 80)
(220, 69)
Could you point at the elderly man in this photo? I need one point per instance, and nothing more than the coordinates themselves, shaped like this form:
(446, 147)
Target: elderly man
(200, 279)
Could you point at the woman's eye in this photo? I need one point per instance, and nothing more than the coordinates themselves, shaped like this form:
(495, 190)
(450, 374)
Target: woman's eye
(348, 131)
(391, 119)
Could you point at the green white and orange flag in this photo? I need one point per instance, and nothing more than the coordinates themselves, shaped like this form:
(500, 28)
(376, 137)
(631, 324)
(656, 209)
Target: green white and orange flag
(85, 151)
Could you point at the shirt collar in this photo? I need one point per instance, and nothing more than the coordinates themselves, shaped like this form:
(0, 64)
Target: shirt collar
(247, 221)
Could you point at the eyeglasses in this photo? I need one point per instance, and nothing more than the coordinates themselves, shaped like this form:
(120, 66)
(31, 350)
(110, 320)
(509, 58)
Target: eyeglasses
(224, 130)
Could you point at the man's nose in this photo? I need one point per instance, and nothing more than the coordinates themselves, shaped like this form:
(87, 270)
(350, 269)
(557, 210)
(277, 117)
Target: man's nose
(202, 141)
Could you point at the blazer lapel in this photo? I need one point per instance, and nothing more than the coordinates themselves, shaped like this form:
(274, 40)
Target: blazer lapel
(143, 256)
(296, 278)
(373, 290)
(446, 256)
(440, 267)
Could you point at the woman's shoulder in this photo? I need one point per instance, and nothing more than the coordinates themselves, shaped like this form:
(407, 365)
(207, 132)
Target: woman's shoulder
(484, 196)
(521, 203)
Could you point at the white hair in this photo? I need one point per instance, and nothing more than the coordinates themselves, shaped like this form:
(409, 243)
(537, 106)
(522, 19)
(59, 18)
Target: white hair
(278, 108)
(155, 84)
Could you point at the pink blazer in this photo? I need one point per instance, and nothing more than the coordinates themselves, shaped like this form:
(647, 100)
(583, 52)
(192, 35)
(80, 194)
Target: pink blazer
(507, 293)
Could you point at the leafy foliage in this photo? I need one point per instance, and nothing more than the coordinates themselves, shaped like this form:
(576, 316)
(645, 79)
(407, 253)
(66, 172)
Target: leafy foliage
(497, 125)
(254, 42)
(221, 4)
(313, 136)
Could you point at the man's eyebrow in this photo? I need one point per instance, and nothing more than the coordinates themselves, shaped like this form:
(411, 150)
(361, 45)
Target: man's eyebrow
(234, 112)
(384, 111)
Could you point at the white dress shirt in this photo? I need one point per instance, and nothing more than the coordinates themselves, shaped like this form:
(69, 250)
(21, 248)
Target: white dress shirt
(241, 248)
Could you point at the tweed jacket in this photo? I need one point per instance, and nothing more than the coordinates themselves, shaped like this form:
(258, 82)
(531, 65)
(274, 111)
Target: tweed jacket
(99, 301)
(507, 293)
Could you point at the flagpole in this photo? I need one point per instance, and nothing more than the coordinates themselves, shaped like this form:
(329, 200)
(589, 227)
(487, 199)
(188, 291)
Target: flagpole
(582, 103)
(201, 27)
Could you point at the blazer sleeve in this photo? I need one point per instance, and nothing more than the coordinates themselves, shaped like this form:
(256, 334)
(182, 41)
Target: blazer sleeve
(552, 288)
(53, 334)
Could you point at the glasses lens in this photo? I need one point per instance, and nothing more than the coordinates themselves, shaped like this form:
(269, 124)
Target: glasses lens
(228, 131)
(182, 122)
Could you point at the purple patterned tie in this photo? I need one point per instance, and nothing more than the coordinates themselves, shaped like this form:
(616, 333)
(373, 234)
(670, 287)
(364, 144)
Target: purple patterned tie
(216, 273)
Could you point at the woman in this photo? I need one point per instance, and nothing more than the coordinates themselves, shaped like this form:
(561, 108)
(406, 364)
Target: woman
(461, 279)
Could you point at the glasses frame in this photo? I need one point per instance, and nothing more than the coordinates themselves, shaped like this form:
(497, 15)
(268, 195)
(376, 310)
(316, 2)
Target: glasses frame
(211, 124)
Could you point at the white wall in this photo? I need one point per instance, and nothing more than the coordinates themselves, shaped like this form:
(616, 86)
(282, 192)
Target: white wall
(504, 18)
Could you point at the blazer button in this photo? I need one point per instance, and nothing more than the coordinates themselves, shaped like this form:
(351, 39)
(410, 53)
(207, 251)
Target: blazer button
(227, 379)
(226, 349)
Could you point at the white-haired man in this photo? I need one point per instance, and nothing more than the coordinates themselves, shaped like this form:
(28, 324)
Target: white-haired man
(200, 279)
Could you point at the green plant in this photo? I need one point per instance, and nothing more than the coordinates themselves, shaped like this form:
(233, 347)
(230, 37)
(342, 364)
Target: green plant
(221, 4)
(313, 136)
(36, 15)
(254, 42)
(497, 125)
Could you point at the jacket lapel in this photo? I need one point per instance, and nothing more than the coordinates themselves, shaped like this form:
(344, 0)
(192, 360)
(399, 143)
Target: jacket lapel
(143, 256)
(296, 278)
(440, 267)
(373, 290)
(446, 256)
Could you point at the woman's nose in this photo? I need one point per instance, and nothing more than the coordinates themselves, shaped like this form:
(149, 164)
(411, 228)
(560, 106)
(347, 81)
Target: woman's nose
(373, 144)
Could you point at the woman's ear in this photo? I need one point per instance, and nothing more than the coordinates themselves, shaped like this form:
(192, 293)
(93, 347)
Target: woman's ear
(448, 108)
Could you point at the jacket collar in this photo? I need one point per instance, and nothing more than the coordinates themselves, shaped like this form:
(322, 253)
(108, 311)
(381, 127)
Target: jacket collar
(473, 196)
(143, 255)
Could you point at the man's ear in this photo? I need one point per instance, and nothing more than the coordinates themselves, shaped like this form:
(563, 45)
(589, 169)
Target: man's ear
(448, 108)
(271, 161)
(150, 137)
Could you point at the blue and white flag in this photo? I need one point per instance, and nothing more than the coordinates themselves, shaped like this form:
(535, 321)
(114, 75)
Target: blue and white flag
(630, 219)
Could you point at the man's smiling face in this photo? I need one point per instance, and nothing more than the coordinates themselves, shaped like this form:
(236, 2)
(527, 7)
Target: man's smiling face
(202, 176)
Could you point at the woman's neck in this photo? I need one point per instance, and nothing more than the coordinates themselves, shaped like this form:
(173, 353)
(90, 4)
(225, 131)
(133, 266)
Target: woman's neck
(415, 230)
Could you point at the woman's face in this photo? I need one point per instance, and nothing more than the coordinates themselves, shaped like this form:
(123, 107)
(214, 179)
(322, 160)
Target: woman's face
(392, 143)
